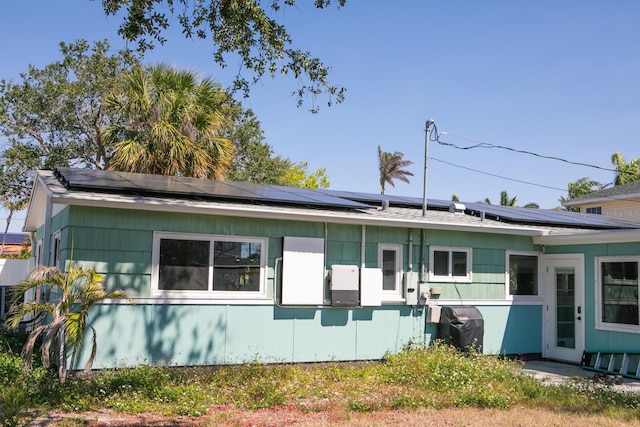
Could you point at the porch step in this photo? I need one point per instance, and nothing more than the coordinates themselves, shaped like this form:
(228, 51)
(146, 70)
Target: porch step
(612, 363)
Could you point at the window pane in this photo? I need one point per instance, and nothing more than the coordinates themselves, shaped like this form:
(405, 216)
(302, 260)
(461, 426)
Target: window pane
(523, 275)
(388, 270)
(184, 265)
(441, 263)
(236, 266)
(8, 298)
(620, 292)
(459, 260)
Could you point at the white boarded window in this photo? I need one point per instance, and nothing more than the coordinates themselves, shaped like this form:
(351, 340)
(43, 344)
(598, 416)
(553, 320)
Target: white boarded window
(303, 271)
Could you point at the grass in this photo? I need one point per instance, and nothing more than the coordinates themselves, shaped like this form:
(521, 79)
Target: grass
(437, 377)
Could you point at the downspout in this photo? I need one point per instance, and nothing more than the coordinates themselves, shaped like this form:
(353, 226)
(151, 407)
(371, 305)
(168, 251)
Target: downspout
(410, 251)
(362, 246)
(326, 299)
(422, 263)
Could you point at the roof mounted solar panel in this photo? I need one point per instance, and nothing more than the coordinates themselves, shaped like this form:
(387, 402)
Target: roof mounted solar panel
(89, 178)
(547, 216)
(125, 182)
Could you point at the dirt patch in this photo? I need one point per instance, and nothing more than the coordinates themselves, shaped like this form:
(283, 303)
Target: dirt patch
(228, 416)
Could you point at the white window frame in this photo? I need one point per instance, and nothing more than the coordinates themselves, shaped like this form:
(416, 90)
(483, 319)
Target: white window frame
(38, 252)
(591, 209)
(450, 277)
(210, 293)
(56, 242)
(606, 326)
(397, 293)
(539, 296)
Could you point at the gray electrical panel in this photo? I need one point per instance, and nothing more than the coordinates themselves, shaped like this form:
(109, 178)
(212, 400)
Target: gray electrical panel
(345, 285)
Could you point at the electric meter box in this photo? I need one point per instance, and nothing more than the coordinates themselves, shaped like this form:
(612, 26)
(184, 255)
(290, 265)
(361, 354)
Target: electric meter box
(345, 285)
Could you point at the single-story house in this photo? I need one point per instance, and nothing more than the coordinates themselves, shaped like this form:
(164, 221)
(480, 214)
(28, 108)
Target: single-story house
(225, 272)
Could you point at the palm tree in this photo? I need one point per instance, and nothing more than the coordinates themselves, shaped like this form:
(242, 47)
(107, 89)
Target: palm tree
(172, 124)
(391, 167)
(625, 172)
(505, 200)
(580, 188)
(62, 320)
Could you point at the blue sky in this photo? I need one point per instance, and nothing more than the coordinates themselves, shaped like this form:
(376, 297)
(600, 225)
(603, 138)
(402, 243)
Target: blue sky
(558, 78)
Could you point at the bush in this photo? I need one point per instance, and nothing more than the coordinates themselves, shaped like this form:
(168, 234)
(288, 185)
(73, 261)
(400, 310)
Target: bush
(21, 390)
(11, 342)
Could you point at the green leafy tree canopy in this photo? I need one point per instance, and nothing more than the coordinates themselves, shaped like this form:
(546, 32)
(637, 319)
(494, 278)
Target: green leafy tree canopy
(172, 124)
(240, 29)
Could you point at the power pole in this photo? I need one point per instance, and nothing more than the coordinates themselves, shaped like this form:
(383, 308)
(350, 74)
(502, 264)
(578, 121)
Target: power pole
(428, 125)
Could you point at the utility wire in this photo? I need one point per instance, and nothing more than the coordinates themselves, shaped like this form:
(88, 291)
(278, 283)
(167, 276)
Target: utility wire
(435, 136)
(497, 176)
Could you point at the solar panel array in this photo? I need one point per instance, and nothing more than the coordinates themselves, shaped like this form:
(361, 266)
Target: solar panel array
(118, 182)
(497, 212)
(147, 184)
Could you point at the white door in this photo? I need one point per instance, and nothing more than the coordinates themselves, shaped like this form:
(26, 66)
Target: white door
(564, 307)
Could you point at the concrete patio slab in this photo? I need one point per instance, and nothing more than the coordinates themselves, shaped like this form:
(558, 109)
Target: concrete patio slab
(550, 372)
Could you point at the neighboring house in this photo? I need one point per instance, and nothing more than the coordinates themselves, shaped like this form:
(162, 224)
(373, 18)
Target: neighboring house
(620, 201)
(225, 272)
(12, 271)
(14, 243)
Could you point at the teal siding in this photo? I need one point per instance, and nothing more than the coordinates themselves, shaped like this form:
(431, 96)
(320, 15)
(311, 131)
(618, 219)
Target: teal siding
(596, 339)
(118, 243)
(512, 329)
(488, 262)
(202, 335)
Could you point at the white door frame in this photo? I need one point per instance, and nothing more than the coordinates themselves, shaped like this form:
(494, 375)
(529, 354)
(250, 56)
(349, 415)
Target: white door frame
(549, 348)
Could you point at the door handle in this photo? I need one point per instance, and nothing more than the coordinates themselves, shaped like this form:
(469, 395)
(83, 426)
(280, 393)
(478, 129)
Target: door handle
(579, 318)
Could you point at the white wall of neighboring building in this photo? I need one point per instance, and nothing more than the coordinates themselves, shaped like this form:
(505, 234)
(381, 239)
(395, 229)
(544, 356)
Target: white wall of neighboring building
(12, 271)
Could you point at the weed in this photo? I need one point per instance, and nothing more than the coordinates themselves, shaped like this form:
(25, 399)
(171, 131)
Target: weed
(436, 377)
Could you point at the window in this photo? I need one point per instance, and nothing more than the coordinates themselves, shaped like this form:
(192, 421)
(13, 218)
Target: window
(39, 252)
(522, 274)
(595, 210)
(618, 293)
(390, 261)
(197, 265)
(56, 249)
(449, 264)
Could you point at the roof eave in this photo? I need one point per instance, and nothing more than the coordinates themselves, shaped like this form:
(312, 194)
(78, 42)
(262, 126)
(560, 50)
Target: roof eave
(600, 199)
(37, 204)
(258, 211)
(589, 237)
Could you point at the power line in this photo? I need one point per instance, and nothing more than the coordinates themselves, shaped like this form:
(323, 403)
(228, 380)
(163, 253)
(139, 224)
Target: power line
(497, 176)
(479, 144)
